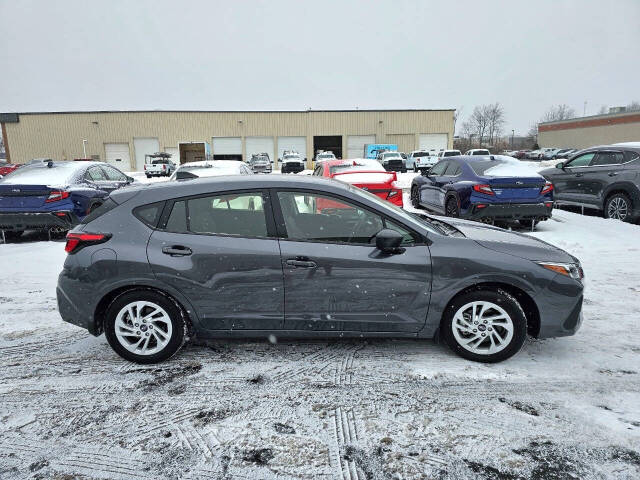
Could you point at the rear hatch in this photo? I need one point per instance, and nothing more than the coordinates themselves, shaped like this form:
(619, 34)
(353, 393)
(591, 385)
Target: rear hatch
(23, 196)
(516, 190)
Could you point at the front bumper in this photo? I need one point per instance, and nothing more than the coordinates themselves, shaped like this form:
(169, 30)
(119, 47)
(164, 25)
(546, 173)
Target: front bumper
(292, 167)
(37, 220)
(394, 166)
(261, 169)
(528, 211)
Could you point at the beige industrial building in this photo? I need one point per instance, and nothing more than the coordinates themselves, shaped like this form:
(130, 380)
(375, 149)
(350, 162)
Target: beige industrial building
(125, 138)
(589, 131)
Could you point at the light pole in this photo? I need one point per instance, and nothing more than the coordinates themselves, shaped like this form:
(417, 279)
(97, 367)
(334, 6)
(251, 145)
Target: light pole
(512, 134)
(84, 148)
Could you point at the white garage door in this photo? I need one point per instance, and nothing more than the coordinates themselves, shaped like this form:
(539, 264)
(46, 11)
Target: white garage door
(356, 143)
(434, 141)
(227, 146)
(259, 145)
(175, 154)
(142, 147)
(298, 144)
(117, 154)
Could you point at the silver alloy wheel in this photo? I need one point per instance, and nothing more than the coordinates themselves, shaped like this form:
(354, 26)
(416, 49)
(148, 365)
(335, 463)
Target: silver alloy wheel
(482, 327)
(618, 208)
(143, 328)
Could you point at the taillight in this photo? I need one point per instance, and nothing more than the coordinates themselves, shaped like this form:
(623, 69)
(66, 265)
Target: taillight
(75, 241)
(145, 166)
(56, 196)
(164, 167)
(548, 187)
(486, 189)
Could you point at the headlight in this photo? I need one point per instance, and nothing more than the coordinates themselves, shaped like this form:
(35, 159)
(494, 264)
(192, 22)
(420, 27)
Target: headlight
(573, 270)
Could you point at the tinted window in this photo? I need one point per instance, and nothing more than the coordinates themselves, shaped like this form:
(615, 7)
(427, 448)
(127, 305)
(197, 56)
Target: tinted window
(608, 158)
(481, 166)
(451, 154)
(149, 214)
(114, 174)
(99, 211)
(439, 168)
(96, 174)
(421, 154)
(582, 160)
(453, 169)
(631, 156)
(231, 214)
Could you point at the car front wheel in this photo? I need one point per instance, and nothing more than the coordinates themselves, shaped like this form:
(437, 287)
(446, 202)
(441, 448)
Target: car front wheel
(451, 207)
(485, 326)
(415, 201)
(618, 206)
(145, 326)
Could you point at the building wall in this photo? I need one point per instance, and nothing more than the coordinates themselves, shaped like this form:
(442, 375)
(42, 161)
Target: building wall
(589, 131)
(60, 135)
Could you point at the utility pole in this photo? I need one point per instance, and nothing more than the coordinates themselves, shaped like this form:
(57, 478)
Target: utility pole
(84, 148)
(512, 134)
(584, 111)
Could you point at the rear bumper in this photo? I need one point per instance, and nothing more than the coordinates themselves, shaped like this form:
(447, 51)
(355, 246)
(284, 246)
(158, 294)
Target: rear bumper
(533, 211)
(37, 220)
(292, 167)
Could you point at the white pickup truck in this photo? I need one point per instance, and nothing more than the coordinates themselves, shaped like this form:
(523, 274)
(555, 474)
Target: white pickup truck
(159, 166)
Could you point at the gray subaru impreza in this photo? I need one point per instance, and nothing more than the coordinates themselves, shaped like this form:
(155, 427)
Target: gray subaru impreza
(250, 257)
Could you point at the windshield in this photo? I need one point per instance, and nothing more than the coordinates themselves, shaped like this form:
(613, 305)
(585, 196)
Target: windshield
(421, 154)
(59, 174)
(259, 158)
(326, 155)
(292, 157)
(391, 155)
(411, 219)
(451, 153)
(481, 152)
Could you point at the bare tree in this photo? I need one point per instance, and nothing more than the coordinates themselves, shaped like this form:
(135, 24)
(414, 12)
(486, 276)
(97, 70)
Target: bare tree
(603, 110)
(479, 121)
(558, 112)
(495, 121)
(633, 106)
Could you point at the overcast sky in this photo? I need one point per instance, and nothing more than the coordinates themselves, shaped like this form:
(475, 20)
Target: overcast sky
(324, 54)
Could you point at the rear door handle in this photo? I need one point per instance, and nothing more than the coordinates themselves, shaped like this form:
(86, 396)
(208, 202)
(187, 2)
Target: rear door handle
(579, 174)
(177, 251)
(306, 263)
(613, 174)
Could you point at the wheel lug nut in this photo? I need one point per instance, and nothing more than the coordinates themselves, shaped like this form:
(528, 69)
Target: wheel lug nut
(137, 325)
(147, 334)
(144, 321)
(483, 334)
(151, 326)
(475, 323)
(490, 329)
(138, 333)
(486, 321)
(475, 330)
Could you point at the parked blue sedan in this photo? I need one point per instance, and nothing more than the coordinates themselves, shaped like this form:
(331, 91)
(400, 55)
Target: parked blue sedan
(485, 188)
(54, 196)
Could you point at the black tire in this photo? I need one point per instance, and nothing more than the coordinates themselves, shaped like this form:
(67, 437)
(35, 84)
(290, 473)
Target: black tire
(148, 176)
(500, 298)
(451, 208)
(414, 197)
(179, 326)
(618, 206)
(12, 235)
(415, 168)
(93, 206)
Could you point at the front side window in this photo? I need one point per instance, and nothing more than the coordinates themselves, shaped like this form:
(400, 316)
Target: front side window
(582, 160)
(453, 169)
(439, 168)
(321, 218)
(96, 174)
(240, 214)
(113, 174)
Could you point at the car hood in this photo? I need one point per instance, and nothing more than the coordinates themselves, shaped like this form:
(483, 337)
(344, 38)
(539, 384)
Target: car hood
(511, 243)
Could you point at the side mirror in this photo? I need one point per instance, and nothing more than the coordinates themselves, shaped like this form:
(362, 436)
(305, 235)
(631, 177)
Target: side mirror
(130, 179)
(560, 165)
(389, 241)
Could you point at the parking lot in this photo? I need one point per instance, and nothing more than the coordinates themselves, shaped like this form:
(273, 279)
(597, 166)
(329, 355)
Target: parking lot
(374, 409)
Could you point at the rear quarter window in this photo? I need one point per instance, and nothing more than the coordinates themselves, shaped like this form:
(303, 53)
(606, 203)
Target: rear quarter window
(149, 214)
(107, 206)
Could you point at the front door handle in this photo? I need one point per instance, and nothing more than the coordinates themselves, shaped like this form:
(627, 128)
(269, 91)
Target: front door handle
(613, 174)
(579, 174)
(177, 251)
(304, 263)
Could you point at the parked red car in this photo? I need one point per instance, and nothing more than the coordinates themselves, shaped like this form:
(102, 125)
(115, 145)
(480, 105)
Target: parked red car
(367, 174)
(7, 168)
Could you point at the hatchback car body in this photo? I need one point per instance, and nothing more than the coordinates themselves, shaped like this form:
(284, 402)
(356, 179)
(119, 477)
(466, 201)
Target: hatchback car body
(252, 257)
(366, 174)
(484, 188)
(605, 178)
(55, 196)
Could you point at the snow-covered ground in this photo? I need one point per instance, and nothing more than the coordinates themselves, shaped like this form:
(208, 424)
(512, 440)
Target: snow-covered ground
(376, 409)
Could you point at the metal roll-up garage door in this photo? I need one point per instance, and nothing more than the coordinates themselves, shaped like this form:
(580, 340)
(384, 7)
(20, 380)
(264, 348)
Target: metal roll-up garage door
(259, 145)
(117, 154)
(299, 144)
(227, 146)
(356, 143)
(434, 141)
(143, 147)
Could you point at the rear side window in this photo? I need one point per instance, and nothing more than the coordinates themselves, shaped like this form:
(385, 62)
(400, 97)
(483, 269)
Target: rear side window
(240, 214)
(631, 156)
(99, 211)
(149, 214)
(453, 169)
(439, 168)
(608, 158)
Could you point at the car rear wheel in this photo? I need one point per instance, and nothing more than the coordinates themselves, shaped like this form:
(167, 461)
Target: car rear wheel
(618, 206)
(485, 326)
(144, 326)
(451, 207)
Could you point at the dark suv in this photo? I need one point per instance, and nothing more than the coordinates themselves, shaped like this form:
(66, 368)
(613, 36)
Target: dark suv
(606, 178)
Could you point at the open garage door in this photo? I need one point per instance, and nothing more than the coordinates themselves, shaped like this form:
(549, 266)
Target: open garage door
(117, 154)
(227, 148)
(259, 145)
(299, 144)
(434, 141)
(142, 147)
(192, 152)
(331, 143)
(356, 143)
